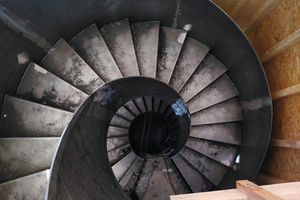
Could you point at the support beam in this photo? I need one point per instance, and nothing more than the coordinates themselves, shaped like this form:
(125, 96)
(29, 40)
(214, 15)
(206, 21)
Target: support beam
(286, 92)
(269, 179)
(285, 143)
(281, 46)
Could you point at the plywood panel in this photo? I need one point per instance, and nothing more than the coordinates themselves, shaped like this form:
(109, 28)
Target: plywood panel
(247, 13)
(282, 71)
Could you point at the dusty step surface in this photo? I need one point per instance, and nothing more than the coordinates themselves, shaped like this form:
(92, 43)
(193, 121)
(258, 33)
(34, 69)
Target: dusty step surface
(113, 143)
(121, 167)
(220, 90)
(116, 132)
(192, 53)
(65, 63)
(118, 38)
(29, 187)
(23, 156)
(220, 152)
(207, 72)
(41, 86)
(170, 44)
(24, 118)
(196, 181)
(132, 174)
(145, 38)
(117, 154)
(90, 45)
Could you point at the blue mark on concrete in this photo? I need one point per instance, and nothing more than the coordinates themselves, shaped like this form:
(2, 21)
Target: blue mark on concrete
(4, 115)
(51, 84)
(179, 107)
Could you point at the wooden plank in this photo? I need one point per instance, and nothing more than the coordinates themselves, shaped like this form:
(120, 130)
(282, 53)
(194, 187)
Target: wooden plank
(281, 46)
(269, 179)
(255, 192)
(285, 143)
(247, 13)
(287, 191)
(286, 92)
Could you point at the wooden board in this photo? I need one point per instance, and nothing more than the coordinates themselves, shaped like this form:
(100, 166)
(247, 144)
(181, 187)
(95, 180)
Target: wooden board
(287, 191)
(265, 179)
(247, 13)
(282, 71)
(285, 143)
(255, 192)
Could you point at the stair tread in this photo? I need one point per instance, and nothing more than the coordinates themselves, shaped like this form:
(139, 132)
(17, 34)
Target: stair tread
(170, 44)
(119, 122)
(162, 108)
(133, 170)
(117, 154)
(24, 118)
(41, 86)
(33, 186)
(145, 39)
(148, 103)
(116, 132)
(114, 143)
(220, 152)
(139, 102)
(124, 113)
(118, 39)
(227, 133)
(23, 156)
(132, 108)
(144, 177)
(192, 53)
(220, 90)
(156, 103)
(208, 71)
(121, 167)
(90, 45)
(196, 181)
(212, 170)
(65, 63)
(227, 111)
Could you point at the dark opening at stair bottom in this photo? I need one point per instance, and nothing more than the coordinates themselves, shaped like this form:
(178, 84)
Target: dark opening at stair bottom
(148, 132)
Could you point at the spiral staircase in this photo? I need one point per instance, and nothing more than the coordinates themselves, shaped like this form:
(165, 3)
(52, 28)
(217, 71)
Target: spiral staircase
(171, 118)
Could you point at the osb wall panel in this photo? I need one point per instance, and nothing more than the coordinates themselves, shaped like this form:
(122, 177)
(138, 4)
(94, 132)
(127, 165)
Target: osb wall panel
(282, 71)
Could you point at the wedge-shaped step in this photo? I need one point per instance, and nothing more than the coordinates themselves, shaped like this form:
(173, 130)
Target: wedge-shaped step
(144, 177)
(39, 85)
(114, 143)
(23, 156)
(124, 113)
(29, 187)
(131, 107)
(227, 133)
(211, 169)
(65, 63)
(192, 53)
(24, 118)
(121, 167)
(156, 103)
(220, 90)
(119, 122)
(132, 174)
(220, 152)
(116, 132)
(196, 181)
(119, 153)
(208, 71)
(145, 39)
(170, 44)
(148, 103)
(174, 176)
(118, 38)
(162, 107)
(90, 45)
(228, 111)
(139, 102)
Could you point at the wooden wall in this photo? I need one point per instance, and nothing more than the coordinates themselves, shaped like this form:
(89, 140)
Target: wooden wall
(282, 71)
(247, 13)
